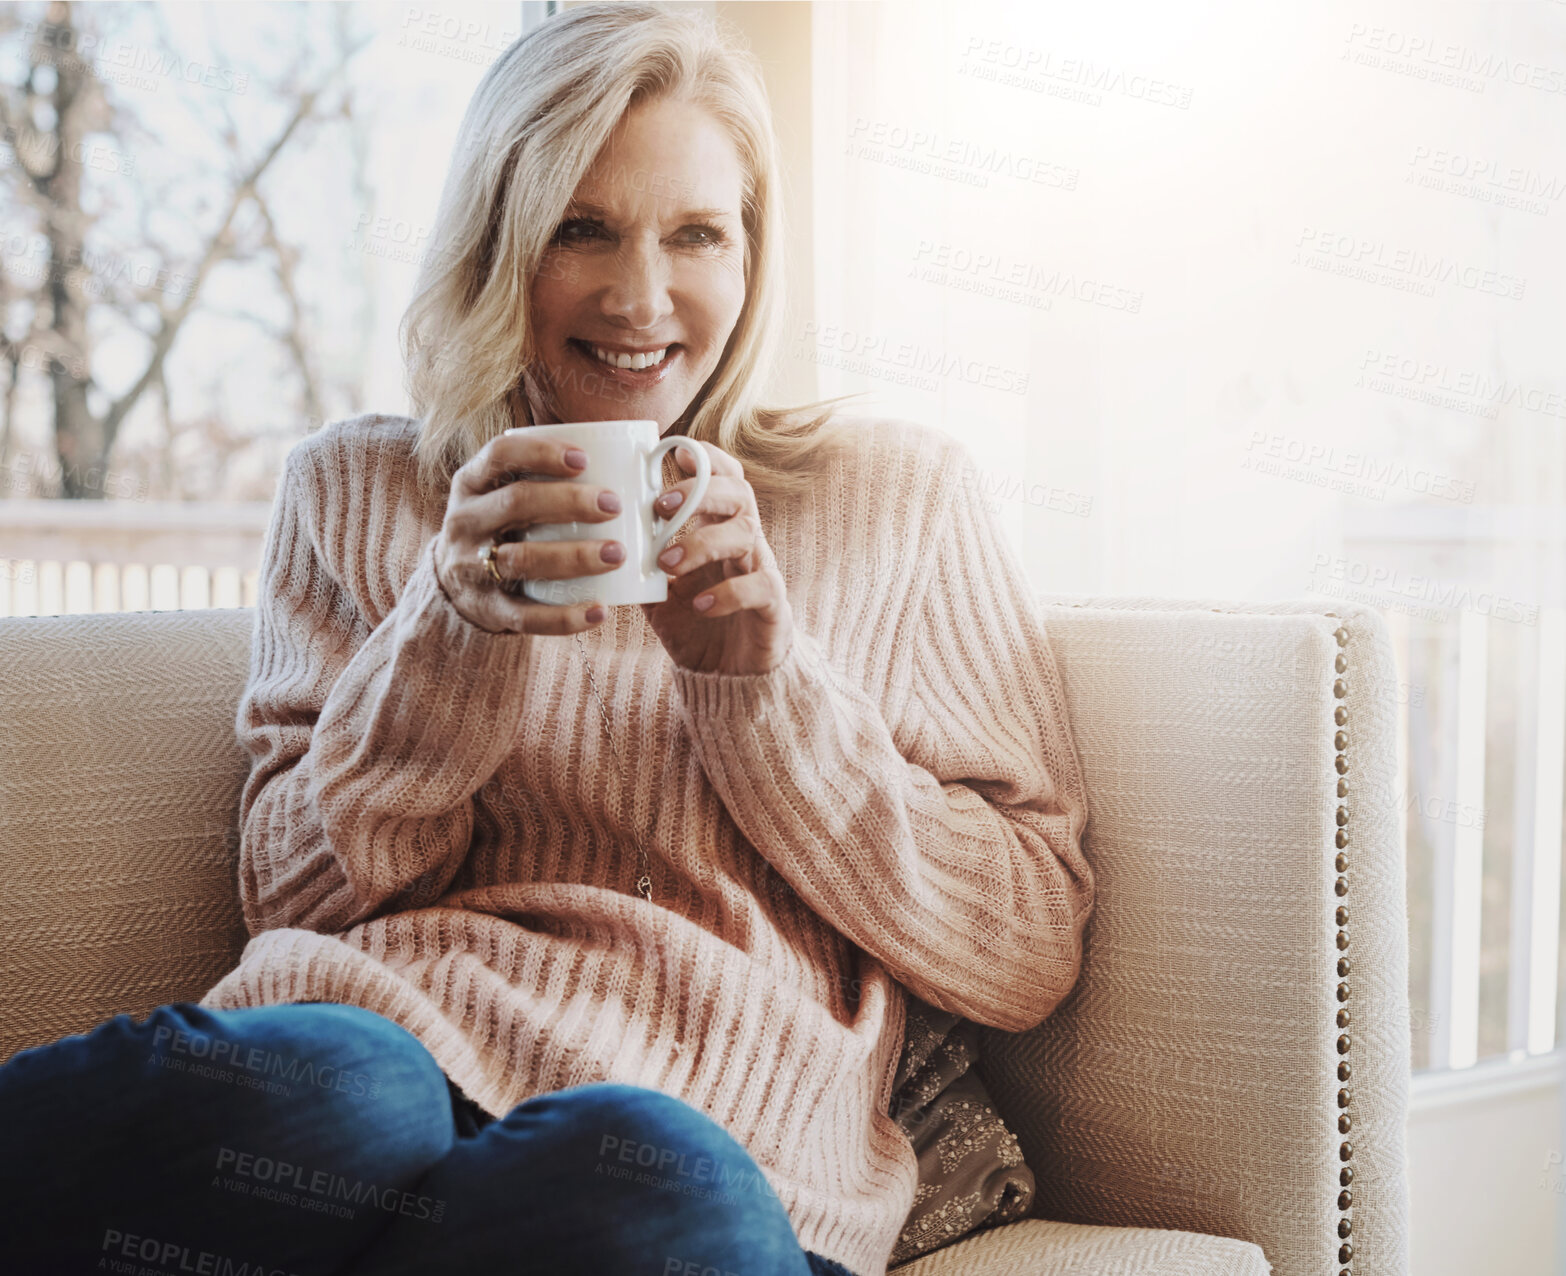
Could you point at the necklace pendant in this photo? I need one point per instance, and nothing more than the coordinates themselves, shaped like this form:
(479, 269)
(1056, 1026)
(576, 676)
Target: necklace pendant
(644, 886)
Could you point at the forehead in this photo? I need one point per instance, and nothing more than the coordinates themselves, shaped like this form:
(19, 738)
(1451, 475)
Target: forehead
(665, 161)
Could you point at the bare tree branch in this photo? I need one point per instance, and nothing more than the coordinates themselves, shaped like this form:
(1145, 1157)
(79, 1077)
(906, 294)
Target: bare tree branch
(285, 258)
(46, 120)
(216, 250)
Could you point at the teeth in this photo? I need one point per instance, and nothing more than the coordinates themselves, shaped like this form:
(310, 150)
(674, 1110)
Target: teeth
(633, 361)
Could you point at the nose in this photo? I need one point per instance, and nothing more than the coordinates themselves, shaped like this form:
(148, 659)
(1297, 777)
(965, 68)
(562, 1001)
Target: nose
(637, 292)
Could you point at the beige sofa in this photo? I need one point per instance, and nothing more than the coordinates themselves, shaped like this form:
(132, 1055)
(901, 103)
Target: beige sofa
(1183, 1110)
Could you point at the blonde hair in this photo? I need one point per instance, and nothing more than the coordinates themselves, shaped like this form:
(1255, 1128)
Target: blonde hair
(537, 120)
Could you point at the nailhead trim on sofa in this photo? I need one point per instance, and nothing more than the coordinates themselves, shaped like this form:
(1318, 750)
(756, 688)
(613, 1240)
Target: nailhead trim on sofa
(1341, 886)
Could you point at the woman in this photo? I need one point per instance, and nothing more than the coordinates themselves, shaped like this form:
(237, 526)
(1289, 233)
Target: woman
(589, 955)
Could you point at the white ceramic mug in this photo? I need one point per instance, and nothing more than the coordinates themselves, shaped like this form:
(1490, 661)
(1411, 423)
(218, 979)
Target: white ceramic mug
(627, 458)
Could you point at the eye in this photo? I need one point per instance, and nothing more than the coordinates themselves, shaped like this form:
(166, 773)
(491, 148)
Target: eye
(576, 229)
(567, 228)
(715, 236)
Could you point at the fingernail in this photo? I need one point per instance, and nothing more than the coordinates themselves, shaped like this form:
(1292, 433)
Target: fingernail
(671, 500)
(595, 614)
(671, 556)
(612, 552)
(609, 502)
(576, 458)
(704, 602)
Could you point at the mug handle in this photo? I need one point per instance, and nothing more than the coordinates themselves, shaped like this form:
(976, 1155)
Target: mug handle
(664, 529)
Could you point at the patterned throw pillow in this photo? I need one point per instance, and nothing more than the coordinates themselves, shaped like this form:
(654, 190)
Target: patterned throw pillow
(971, 1172)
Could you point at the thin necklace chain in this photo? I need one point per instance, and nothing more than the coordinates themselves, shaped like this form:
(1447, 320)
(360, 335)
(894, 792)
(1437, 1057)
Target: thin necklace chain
(644, 882)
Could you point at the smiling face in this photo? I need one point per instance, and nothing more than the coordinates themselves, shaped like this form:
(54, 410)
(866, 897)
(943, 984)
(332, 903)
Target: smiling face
(648, 259)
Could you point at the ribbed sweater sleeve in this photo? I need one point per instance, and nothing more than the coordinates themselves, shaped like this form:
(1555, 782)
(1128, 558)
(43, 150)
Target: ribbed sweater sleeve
(959, 866)
(367, 744)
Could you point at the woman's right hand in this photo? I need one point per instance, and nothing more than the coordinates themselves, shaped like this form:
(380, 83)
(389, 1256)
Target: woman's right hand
(489, 498)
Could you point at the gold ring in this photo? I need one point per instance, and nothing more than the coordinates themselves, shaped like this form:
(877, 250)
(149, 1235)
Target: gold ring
(487, 557)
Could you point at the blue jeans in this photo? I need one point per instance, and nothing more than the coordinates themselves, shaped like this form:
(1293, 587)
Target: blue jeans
(324, 1140)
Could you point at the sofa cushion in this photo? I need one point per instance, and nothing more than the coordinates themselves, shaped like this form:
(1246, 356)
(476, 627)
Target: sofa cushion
(971, 1171)
(1039, 1247)
(119, 794)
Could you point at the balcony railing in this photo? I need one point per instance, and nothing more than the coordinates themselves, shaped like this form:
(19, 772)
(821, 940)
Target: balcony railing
(1476, 601)
(62, 557)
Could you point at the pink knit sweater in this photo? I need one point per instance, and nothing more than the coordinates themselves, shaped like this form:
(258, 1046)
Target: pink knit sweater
(433, 830)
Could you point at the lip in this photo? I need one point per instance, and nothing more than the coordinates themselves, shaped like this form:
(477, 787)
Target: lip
(635, 378)
(616, 348)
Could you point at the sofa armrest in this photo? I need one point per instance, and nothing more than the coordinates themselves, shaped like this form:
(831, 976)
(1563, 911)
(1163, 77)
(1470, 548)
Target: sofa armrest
(1192, 1078)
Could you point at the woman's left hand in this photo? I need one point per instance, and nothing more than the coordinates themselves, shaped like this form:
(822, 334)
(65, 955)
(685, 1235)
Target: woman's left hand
(749, 624)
